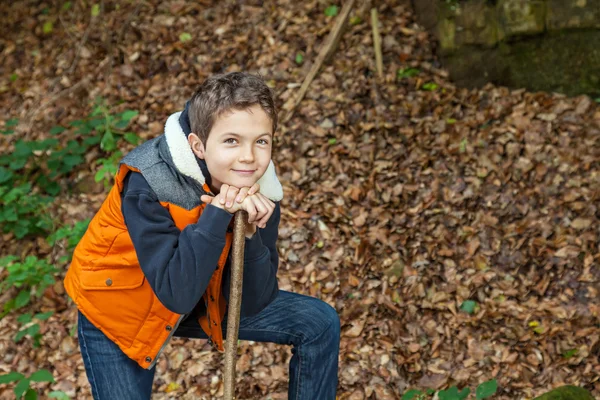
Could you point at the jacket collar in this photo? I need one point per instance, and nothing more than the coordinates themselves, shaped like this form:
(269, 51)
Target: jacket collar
(186, 161)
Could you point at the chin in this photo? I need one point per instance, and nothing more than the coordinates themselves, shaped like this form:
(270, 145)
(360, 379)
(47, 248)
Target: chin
(242, 182)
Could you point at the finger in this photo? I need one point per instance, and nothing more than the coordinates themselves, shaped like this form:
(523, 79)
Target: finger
(261, 208)
(230, 195)
(206, 199)
(254, 189)
(250, 209)
(222, 192)
(242, 194)
(270, 205)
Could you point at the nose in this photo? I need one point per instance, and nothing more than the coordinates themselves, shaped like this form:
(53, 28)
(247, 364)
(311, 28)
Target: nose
(247, 154)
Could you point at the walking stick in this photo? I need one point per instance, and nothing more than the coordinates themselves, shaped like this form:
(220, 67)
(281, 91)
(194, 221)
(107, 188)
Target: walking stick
(235, 302)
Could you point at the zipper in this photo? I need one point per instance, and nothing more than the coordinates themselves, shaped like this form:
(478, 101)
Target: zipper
(167, 340)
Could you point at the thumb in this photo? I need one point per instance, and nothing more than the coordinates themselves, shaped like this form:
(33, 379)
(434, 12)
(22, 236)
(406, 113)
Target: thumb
(206, 199)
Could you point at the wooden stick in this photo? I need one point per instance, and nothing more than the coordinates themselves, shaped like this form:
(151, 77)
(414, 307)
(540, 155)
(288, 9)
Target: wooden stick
(235, 302)
(377, 42)
(326, 51)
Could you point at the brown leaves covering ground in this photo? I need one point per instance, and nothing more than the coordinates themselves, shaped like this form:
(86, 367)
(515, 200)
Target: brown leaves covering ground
(399, 203)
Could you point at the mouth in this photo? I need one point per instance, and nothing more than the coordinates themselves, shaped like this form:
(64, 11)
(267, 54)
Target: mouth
(244, 172)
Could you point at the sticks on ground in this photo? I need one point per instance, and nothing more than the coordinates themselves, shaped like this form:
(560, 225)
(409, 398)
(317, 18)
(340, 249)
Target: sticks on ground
(377, 42)
(327, 50)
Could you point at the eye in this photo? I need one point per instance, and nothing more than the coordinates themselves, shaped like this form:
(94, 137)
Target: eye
(230, 141)
(262, 141)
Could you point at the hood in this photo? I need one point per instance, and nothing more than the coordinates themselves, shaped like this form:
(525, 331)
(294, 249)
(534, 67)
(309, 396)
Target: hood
(185, 161)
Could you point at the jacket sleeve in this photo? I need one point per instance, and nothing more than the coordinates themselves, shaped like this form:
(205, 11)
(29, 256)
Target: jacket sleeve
(261, 262)
(177, 264)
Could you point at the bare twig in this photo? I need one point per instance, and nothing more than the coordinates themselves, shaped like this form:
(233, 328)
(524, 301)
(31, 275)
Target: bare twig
(58, 95)
(235, 302)
(327, 50)
(377, 42)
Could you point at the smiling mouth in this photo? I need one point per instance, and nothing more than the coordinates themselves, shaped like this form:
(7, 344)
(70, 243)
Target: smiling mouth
(245, 171)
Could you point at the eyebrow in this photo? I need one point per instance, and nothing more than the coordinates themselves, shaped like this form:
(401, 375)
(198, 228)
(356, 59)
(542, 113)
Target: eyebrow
(238, 135)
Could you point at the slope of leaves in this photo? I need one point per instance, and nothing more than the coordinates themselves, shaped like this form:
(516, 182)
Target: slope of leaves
(404, 198)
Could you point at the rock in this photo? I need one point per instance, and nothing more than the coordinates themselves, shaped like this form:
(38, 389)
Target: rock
(326, 124)
(567, 392)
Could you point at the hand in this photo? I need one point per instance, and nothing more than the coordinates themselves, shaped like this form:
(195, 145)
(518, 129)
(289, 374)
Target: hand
(230, 197)
(259, 209)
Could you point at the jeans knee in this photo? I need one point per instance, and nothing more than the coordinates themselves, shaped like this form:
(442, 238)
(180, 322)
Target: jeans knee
(331, 320)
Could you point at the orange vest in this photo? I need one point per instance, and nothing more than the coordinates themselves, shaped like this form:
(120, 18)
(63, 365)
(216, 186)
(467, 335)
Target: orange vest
(107, 284)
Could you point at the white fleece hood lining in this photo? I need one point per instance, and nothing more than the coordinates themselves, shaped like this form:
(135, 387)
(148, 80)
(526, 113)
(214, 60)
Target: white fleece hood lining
(185, 160)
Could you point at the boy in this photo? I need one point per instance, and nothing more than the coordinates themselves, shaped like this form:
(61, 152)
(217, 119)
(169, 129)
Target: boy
(154, 260)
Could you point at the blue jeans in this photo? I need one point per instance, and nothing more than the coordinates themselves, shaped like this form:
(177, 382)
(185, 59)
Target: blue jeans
(310, 325)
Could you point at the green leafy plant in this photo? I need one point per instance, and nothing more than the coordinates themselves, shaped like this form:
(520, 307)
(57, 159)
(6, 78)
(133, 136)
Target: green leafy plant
(483, 391)
(95, 10)
(30, 274)
(570, 353)
(108, 168)
(30, 326)
(109, 125)
(21, 211)
(299, 58)
(72, 234)
(48, 27)
(355, 20)
(8, 125)
(185, 37)
(469, 306)
(332, 11)
(30, 174)
(407, 73)
(429, 86)
(22, 388)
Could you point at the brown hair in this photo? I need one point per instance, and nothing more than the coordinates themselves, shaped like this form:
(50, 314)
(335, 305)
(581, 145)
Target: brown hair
(221, 93)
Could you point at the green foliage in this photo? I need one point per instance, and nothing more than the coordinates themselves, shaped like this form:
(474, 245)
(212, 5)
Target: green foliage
(407, 73)
(355, 20)
(21, 211)
(95, 10)
(332, 11)
(30, 327)
(58, 394)
(8, 125)
(108, 169)
(486, 389)
(30, 274)
(48, 27)
(453, 394)
(185, 37)
(468, 306)
(483, 391)
(31, 174)
(72, 234)
(108, 125)
(429, 86)
(22, 389)
(570, 353)
(299, 58)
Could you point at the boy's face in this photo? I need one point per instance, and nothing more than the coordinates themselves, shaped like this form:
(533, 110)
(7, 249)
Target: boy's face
(238, 148)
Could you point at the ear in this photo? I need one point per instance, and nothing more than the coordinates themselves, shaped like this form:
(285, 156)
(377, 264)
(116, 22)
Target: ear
(196, 145)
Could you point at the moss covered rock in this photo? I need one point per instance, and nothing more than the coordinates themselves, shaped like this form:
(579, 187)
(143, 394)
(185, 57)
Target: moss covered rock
(549, 45)
(568, 392)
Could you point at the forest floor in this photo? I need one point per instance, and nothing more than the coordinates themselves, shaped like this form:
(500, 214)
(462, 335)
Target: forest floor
(405, 197)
